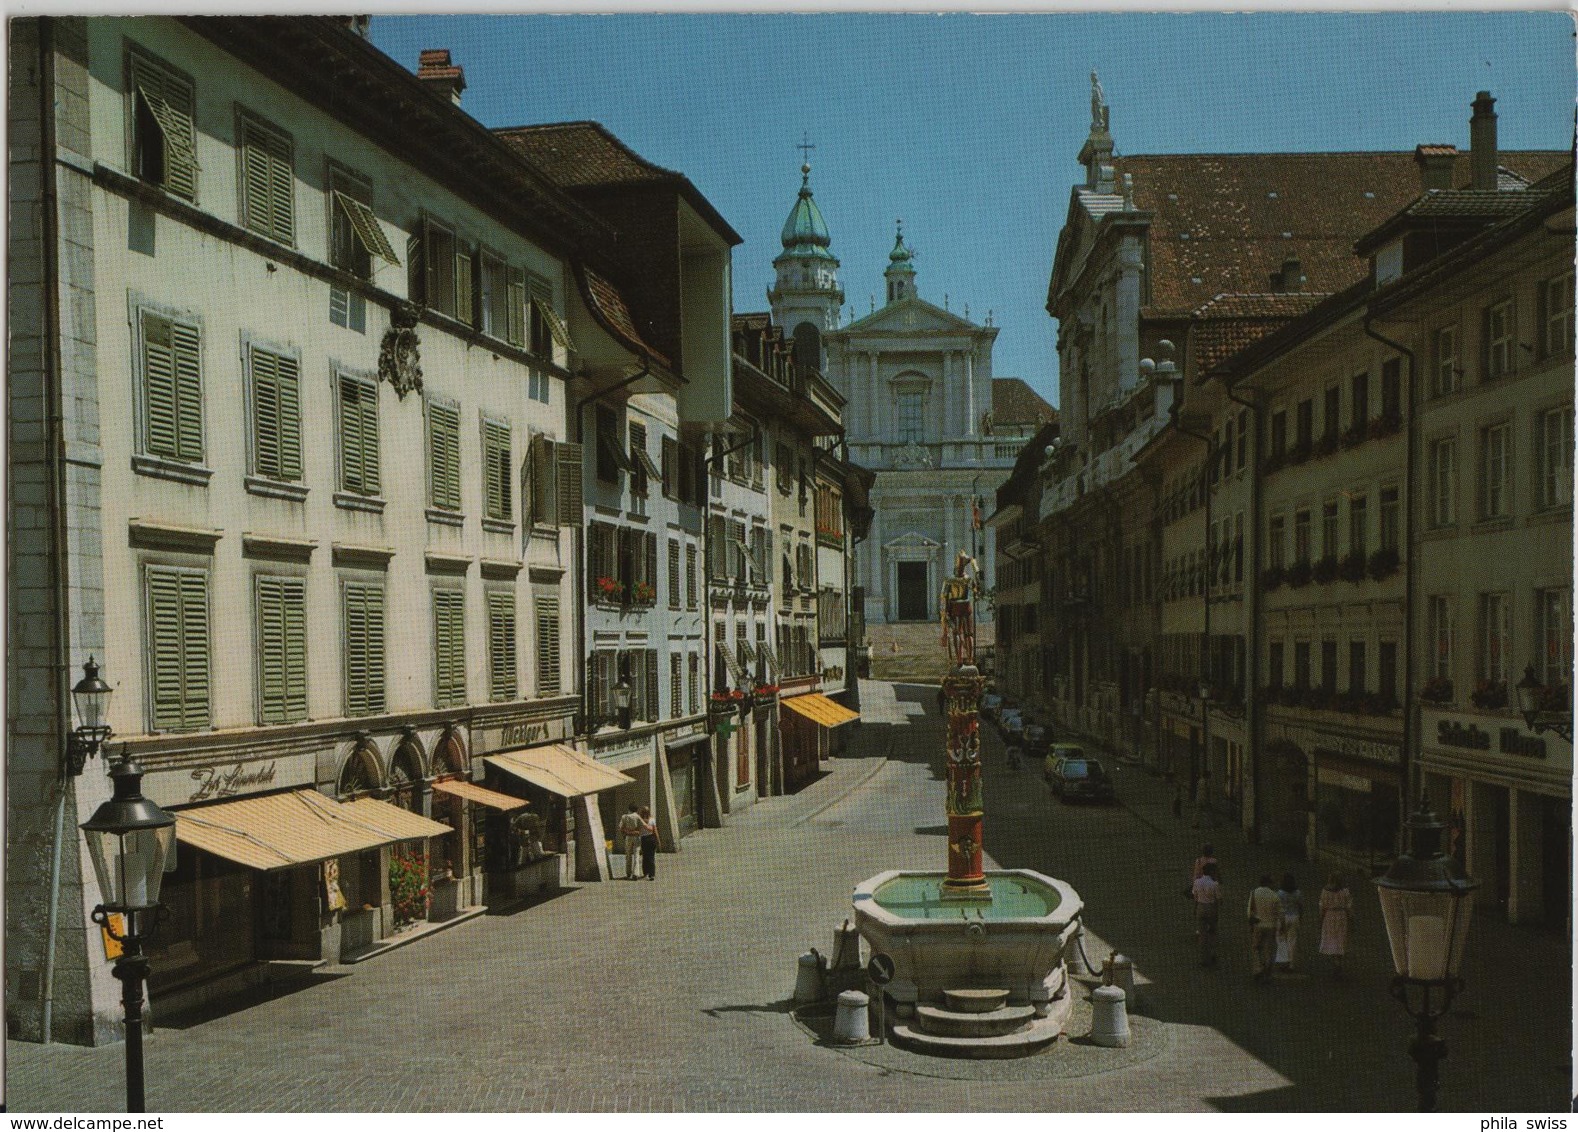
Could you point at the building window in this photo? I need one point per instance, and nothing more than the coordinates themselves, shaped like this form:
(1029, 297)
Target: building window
(1359, 404)
(690, 575)
(436, 272)
(1553, 611)
(1438, 627)
(358, 435)
(1243, 437)
(611, 455)
(555, 487)
(1305, 423)
(1238, 547)
(1556, 316)
(1495, 462)
(1279, 434)
(673, 575)
(281, 649)
(1391, 519)
(1328, 530)
(1331, 417)
(503, 684)
(549, 680)
(268, 180)
(1359, 526)
(1357, 681)
(364, 648)
(1301, 537)
(493, 296)
(643, 471)
(497, 486)
(676, 687)
(1274, 664)
(693, 677)
(1494, 642)
(443, 455)
(1386, 673)
(1301, 664)
(355, 236)
(1443, 482)
(178, 648)
(1328, 665)
(1553, 456)
(1496, 329)
(1275, 549)
(164, 143)
(911, 413)
(1392, 389)
(1444, 366)
(276, 415)
(172, 387)
(449, 648)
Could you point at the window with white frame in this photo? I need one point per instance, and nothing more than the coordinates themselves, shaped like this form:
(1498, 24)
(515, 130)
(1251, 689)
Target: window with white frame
(1497, 342)
(1442, 469)
(172, 389)
(164, 141)
(177, 648)
(1495, 466)
(358, 422)
(281, 649)
(268, 179)
(1553, 456)
(910, 408)
(1553, 613)
(1494, 643)
(362, 605)
(1445, 368)
(1556, 316)
(1439, 631)
(275, 381)
(503, 677)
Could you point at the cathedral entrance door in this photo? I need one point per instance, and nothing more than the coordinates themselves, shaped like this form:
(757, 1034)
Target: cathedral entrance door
(913, 603)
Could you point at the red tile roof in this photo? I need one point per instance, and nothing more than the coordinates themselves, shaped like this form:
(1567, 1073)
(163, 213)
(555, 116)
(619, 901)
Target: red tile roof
(609, 307)
(1229, 220)
(1228, 323)
(1014, 402)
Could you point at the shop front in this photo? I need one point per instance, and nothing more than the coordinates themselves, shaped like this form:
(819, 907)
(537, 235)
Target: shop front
(1341, 790)
(805, 723)
(562, 838)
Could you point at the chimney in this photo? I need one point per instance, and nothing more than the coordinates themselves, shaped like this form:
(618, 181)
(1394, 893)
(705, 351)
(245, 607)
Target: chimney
(1482, 143)
(1292, 275)
(1435, 165)
(441, 76)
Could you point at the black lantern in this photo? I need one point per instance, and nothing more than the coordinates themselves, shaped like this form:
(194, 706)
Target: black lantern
(1531, 701)
(1425, 901)
(92, 697)
(621, 702)
(132, 844)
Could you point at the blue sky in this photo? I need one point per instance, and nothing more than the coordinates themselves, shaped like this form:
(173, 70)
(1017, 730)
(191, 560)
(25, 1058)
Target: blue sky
(967, 126)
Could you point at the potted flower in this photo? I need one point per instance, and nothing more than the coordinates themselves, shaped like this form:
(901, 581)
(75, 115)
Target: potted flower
(1384, 563)
(1385, 425)
(1490, 695)
(766, 690)
(1353, 567)
(609, 589)
(1299, 573)
(1436, 690)
(643, 593)
(1326, 569)
(1271, 577)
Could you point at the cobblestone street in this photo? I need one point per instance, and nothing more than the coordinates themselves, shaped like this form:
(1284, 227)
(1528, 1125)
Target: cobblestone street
(533, 1009)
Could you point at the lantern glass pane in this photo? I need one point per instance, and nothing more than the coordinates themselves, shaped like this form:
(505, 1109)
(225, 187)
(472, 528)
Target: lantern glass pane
(103, 848)
(90, 708)
(1426, 931)
(1392, 914)
(1463, 911)
(130, 865)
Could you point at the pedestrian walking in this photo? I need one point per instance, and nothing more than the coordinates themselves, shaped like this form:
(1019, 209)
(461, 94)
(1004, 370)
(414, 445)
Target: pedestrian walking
(1207, 893)
(1288, 933)
(1265, 914)
(630, 831)
(1336, 913)
(1207, 857)
(648, 844)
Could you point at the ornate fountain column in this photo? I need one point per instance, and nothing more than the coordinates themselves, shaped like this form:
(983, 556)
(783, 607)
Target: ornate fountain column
(961, 695)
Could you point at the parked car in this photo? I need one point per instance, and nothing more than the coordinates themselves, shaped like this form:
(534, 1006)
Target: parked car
(1037, 738)
(1056, 753)
(991, 704)
(1081, 777)
(1013, 727)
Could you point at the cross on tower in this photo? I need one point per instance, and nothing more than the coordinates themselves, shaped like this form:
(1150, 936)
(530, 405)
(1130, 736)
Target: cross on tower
(805, 147)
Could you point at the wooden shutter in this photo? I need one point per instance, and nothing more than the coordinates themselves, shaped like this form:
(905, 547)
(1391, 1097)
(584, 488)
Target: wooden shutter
(449, 647)
(443, 430)
(652, 711)
(364, 224)
(465, 286)
(544, 495)
(501, 646)
(569, 458)
(267, 182)
(650, 559)
(515, 322)
(168, 100)
(549, 679)
(673, 573)
(496, 468)
(161, 432)
(364, 649)
(282, 650)
(358, 436)
(178, 649)
(668, 461)
(276, 416)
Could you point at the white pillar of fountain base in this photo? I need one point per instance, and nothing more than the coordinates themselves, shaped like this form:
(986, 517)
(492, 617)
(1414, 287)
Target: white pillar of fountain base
(904, 994)
(1109, 1019)
(808, 982)
(852, 1023)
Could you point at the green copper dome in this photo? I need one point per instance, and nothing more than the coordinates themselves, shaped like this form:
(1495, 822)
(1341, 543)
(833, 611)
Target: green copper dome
(899, 257)
(805, 232)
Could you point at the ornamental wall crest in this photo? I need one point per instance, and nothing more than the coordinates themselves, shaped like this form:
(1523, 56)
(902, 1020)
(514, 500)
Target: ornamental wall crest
(912, 455)
(399, 363)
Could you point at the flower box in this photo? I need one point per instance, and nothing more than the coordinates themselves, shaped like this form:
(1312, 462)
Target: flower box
(1353, 568)
(1271, 578)
(609, 589)
(1384, 563)
(1299, 574)
(1436, 690)
(1489, 695)
(1326, 570)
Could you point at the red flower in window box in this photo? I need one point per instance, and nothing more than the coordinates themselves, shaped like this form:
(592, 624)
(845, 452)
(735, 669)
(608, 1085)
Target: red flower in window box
(767, 690)
(644, 592)
(610, 589)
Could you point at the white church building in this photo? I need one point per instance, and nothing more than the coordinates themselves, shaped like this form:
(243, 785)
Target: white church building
(923, 412)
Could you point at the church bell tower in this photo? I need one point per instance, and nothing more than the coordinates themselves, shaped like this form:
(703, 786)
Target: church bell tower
(806, 295)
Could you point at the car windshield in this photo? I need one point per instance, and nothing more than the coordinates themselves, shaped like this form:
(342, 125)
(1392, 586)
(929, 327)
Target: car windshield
(1074, 768)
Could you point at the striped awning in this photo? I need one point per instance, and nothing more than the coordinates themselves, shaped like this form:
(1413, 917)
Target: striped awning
(481, 795)
(819, 709)
(559, 770)
(298, 827)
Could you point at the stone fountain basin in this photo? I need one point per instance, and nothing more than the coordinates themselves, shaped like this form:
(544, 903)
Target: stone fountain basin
(1014, 941)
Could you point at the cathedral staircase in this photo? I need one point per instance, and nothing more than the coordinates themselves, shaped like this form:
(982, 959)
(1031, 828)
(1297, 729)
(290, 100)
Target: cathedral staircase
(912, 650)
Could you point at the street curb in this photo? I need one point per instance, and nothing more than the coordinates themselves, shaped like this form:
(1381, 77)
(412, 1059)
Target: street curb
(878, 764)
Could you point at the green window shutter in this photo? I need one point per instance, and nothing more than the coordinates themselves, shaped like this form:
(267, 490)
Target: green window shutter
(188, 392)
(160, 437)
(282, 650)
(178, 649)
(359, 436)
(295, 635)
(548, 677)
(569, 457)
(267, 182)
(444, 452)
(501, 647)
(169, 101)
(465, 287)
(449, 647)
(194, 650)
(265, 414)
(289, 371)
(515, 327)
(496, 469)
(364, 649)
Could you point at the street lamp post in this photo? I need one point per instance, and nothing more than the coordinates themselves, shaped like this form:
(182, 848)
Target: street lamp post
(1425, 903)
(132, 844)
(1531, 704)
(92, 697)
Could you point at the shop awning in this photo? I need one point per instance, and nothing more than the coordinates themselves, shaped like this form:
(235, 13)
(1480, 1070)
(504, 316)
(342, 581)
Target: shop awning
(481, 795)
(559, 770)
(819, 709)
(300, 827)
(396, 824)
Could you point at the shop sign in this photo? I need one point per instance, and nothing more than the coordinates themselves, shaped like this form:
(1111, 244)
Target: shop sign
(521, 734)
(1389, 754)
(1509, 740)
(210, 782)
(686, 734)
